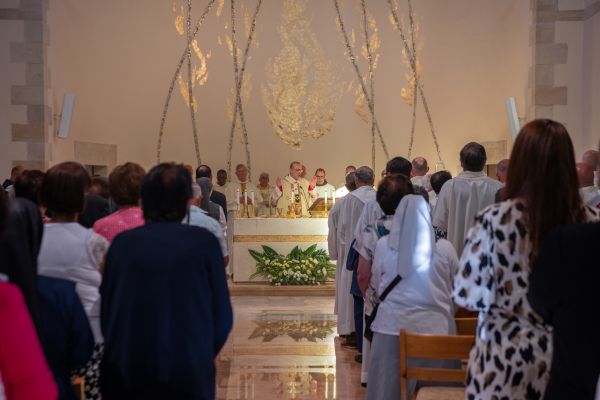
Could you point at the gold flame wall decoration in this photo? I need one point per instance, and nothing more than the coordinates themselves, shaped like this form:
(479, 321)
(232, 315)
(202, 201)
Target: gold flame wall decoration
(409, 52)
(191, 34)
(369, 51)
(242, 87)
(301, 93)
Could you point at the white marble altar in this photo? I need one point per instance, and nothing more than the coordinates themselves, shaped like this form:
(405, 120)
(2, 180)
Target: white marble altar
(282, 234)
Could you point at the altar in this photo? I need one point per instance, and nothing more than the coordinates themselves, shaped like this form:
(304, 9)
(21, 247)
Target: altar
(281, 234)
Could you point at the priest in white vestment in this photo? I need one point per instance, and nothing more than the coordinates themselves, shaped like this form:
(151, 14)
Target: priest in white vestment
(338, 250)
(240, 190)
(263, 202)
(294, 193)
(461, 198)
(419, 177)
(324, 189)
(350, 212)
(222, 184)
(343, 190)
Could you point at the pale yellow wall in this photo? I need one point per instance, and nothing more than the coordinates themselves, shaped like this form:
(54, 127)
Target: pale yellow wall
(11, 74)
(118, 58)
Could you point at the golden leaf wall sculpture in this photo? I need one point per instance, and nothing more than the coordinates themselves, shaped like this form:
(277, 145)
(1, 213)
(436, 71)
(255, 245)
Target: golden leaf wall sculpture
(301, 92)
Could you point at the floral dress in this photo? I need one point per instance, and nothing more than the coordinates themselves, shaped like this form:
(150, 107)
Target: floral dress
(512, 353)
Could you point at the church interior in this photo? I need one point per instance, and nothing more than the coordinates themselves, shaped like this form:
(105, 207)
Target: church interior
(266, 86)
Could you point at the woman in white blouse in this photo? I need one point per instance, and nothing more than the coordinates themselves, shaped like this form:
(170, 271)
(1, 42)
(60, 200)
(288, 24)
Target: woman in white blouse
(70, 251)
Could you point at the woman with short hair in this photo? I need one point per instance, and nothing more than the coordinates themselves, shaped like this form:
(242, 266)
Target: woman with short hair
(70, 251)
(124, 184)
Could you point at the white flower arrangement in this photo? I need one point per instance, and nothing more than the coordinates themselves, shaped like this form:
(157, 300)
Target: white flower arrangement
(300, 267)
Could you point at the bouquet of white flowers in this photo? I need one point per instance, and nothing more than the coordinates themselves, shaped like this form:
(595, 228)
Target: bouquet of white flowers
(299, 267)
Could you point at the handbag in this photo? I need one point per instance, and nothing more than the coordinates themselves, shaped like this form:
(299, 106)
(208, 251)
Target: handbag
(370, 318)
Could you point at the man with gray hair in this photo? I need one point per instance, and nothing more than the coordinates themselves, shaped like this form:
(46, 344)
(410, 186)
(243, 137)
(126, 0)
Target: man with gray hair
(419, 171)
(338, 250)
(198, 217)
(349, 213)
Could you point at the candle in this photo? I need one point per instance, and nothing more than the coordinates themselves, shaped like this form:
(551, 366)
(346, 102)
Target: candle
(333, 196)
(326, 199)
(237, 198)
(246, 198)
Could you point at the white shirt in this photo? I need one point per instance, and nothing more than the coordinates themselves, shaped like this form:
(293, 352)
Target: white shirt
(421, 302)
(341, 192)
(234, 188)
(70, 251)
(326, 188)
(460, 199)
(588, 193)
(199, 217)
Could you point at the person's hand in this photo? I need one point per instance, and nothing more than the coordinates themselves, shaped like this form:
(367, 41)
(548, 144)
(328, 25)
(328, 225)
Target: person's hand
(313, 182)
(279, 182)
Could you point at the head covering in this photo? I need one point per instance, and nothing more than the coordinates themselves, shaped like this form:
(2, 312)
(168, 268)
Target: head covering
(411, 235)
(213, 209)
(205, 186)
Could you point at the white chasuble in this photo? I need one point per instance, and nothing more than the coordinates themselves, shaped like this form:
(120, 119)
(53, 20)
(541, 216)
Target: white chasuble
(295, 193)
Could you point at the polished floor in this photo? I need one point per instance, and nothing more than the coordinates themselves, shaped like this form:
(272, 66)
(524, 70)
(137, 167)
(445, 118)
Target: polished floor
(286, 348)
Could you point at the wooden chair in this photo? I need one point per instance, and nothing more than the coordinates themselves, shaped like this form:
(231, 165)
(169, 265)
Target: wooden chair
(466, 326)
(438, 347)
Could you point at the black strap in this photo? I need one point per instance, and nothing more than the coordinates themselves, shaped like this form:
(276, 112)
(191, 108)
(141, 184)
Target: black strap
(390, 287)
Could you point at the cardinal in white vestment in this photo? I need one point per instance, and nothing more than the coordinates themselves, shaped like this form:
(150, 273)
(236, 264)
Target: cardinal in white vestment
(461, 198)
(294, 191)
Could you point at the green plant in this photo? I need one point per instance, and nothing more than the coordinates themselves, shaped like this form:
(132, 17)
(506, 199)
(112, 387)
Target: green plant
(299, 267)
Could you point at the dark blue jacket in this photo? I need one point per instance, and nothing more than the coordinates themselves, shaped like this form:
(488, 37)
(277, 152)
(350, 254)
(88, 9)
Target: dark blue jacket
(65, 334)
(165, 313)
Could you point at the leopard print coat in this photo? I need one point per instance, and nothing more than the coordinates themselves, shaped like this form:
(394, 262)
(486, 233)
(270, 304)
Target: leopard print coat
(512, 353)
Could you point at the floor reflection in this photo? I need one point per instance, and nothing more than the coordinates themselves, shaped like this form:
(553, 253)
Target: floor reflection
(286, 348)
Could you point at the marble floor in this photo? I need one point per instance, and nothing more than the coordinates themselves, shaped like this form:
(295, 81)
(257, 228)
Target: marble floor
(286, 348)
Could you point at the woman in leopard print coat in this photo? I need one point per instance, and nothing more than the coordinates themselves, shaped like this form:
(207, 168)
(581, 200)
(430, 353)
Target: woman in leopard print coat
(512, 353)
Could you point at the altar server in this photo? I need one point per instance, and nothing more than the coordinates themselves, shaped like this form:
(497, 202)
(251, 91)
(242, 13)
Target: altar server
(324, 189)
(338, 250)
(350, 212)
(461, 198)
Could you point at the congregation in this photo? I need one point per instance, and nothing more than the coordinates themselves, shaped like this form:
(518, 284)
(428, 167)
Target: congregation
(124, 281)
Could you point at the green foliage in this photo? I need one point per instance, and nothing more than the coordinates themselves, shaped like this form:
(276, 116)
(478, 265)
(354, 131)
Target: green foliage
(300, 267)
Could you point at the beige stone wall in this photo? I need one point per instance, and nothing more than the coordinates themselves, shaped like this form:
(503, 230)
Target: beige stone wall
(117, 58)
(566, 82)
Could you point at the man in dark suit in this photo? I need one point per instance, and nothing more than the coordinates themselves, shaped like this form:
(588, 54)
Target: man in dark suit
(217, 197)
(165, 310)
(563, 290)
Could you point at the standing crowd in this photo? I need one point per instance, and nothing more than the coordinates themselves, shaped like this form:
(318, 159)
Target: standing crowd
(122, 281)
(516, 250)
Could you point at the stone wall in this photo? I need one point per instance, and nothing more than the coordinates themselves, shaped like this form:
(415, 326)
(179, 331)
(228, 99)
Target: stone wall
(27, 118)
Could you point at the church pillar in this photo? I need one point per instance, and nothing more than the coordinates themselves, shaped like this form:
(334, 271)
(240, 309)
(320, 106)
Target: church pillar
(27, 117)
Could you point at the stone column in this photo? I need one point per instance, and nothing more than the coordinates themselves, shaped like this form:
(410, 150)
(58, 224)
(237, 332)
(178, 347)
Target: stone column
(31, 52)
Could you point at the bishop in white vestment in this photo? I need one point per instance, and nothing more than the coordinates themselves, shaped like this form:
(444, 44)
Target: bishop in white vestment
(294, 191)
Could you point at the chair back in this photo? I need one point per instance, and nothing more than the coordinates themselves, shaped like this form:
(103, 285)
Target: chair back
(466, 326)
(440, 347)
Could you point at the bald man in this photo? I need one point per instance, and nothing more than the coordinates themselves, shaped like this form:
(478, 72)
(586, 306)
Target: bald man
(592, 158)
(418, 171)
(501, 171)
(587, 189)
